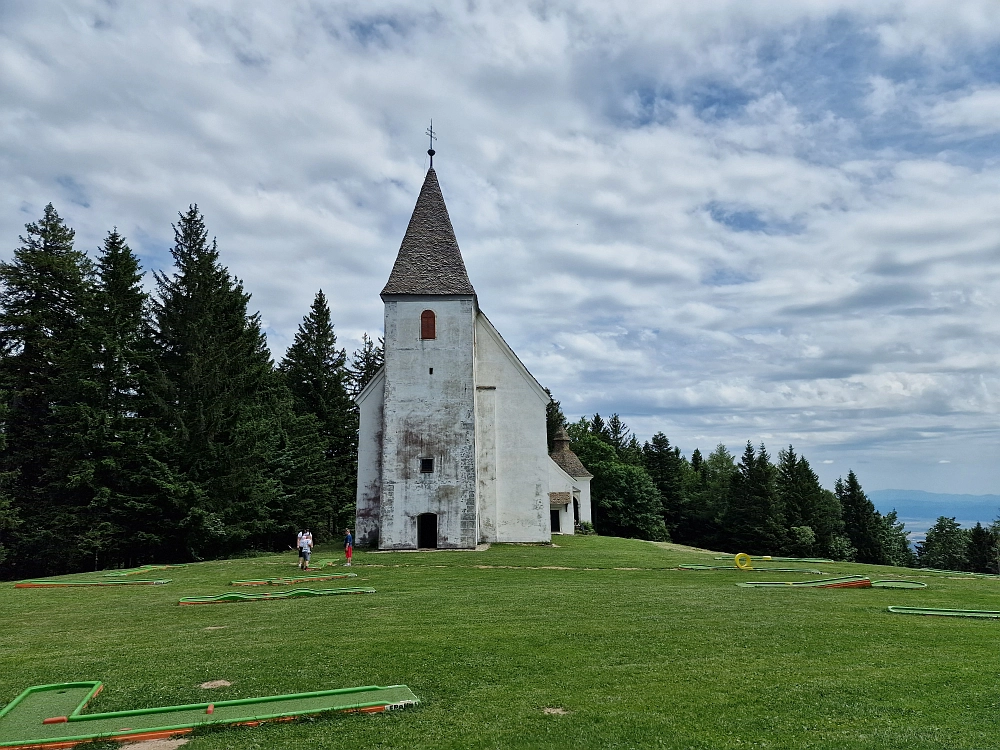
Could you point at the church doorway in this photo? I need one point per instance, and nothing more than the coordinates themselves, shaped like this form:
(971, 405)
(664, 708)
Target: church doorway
(427, 530)
(555, 521)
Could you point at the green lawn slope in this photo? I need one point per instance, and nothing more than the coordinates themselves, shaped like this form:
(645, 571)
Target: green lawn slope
(637, 654)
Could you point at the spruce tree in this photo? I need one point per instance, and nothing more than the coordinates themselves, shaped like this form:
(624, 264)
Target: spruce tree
(754, 521)
(982, 552)
(665, 466)
(554, 419)
(315, 372)
(860, 522)
(945, 547)
(365, 363)
(216, 399)
(47, 377)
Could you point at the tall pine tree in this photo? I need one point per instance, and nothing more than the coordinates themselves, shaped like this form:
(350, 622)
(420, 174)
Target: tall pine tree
(47, 378)
(754, 520)
(315, 372)
(216, 398)
(860, 520)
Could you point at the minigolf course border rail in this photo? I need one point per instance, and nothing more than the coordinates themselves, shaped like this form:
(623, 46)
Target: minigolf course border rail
(934, 611)
(51, 716)
(238, 596)
(844, 582)
(52, 584)
(699, 566)
(291, 579)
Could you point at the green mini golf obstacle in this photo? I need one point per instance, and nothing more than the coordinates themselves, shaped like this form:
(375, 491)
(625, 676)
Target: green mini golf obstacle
(846, 582)
(53, 584)
(51, 716)
(781, 559)
(295, 579)
(141, 569)
(898, 584)
(239, 596)
(695, 566)
(978, 613)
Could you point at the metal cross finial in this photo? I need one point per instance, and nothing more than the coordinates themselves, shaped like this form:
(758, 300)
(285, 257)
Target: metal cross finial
(430, 134)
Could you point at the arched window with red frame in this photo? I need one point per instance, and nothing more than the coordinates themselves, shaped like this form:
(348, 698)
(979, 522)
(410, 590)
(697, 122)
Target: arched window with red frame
(427, 325)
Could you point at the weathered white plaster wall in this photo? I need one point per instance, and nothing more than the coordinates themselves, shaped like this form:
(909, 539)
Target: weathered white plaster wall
(369, 460)
(583, 484)
(429, 415)
(519, 491)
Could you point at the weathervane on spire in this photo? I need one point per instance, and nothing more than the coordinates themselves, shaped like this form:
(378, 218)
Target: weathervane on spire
(430, 134)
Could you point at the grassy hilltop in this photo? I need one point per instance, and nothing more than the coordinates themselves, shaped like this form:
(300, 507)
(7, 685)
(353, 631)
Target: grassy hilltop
(637, 654)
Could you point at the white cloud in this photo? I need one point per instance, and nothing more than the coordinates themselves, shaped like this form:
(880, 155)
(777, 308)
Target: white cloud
(721, 220)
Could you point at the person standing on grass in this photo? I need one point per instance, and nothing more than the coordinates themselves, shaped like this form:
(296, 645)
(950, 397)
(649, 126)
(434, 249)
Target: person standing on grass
(298, 545)
(306, 549)
(348, 546)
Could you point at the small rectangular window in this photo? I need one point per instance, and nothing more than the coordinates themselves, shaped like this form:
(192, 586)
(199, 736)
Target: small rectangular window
(430, 371)
(426, 465)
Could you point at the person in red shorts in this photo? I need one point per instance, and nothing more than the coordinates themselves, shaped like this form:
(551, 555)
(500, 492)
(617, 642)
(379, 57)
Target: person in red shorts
(348, 546)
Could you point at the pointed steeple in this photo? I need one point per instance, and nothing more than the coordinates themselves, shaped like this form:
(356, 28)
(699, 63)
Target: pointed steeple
(429, 261)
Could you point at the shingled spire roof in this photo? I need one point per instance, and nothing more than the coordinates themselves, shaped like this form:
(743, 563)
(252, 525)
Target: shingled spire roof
(429, 261)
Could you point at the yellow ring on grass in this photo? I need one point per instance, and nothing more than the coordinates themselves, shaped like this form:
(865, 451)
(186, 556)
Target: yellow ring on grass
(743, 562)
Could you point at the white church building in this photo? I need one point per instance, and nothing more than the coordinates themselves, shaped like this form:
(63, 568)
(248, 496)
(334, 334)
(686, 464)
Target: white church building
(452, 449)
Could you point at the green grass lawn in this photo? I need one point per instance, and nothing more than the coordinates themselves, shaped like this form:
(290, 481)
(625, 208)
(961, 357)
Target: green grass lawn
(637, 654)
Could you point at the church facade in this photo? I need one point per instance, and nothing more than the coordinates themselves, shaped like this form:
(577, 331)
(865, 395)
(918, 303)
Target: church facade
(452, 447)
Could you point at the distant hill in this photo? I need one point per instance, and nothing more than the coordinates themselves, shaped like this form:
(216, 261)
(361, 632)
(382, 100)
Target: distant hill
(919, 510)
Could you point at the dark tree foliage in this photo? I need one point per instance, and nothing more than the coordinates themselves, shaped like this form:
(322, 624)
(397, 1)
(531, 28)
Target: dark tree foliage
(813, 514)
(861, 522)
(625, 501)
(754, 520)
(47, 373)
(666, 467)
(895, 541)
(599, 427)
(315, 372)
(983, 553)
(946, 546)
(554, 419)
(707, 486)
(216, 398)
(365, 363)
(126, 517)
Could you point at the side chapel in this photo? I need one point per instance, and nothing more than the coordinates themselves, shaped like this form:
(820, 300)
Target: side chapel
(452, 449)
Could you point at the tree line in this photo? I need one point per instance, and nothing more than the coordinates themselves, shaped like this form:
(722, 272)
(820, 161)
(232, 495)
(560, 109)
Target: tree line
(948, 546)
(142, 427)
(753, 504)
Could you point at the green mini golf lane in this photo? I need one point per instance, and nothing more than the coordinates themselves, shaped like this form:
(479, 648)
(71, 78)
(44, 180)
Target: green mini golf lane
(981, 613)
(239, 596)
(845, 582)
(780, 559)
(50, 716)
(696, 566)
(295, 579)
(47, 584)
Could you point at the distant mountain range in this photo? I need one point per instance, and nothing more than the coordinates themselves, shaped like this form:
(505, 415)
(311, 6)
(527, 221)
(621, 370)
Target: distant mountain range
(919, 510)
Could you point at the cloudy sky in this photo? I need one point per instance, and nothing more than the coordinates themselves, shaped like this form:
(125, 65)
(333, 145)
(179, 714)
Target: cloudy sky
(774, 221)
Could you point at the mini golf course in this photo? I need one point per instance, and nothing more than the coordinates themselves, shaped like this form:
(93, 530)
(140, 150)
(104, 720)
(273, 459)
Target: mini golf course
(51, 716)
(56, 584)
(291, 580)
(239, 596)
(141, 569)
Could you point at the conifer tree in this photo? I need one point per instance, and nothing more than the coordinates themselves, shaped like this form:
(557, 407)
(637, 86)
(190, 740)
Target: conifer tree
(46, 375)
(946, 546)
(554, 419)
(665, 467)
(365, 363)
(315, 372)
(982, 552)
(860, 522)
(216, 398)
(754, 520)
